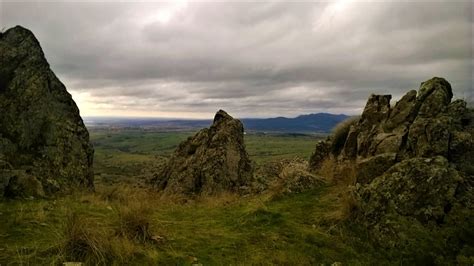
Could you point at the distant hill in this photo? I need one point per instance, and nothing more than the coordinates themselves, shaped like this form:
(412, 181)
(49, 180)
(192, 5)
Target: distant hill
(320, 122)
(310, 123)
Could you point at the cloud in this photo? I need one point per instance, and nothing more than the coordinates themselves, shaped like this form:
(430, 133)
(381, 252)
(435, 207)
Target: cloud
(252, 59)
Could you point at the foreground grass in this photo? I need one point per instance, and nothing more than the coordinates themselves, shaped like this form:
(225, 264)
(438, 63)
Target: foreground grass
(227, 229)
(121, 223)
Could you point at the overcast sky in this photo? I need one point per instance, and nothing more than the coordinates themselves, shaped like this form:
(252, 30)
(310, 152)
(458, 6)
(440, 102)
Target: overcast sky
(253, 59)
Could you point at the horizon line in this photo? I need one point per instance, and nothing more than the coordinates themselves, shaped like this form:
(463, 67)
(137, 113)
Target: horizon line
(184, 118)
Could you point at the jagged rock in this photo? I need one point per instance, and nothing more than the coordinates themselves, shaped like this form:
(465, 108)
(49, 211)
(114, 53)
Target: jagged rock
(423, 124)
(41, 130)
(376, 110)
(402, 113)
(321, 152)
(414, 173)
(212, 161)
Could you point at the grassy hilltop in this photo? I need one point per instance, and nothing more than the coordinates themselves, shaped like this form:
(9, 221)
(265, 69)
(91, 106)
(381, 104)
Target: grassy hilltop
(121, 224)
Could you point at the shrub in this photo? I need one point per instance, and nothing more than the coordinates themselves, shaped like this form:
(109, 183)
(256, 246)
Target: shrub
(339, 134)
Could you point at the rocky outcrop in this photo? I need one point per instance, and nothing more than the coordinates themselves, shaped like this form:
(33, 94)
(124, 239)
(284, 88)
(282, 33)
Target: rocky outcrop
(423, 124)
(44, 145)
(212, 161)
(414, 172)
(321, 152)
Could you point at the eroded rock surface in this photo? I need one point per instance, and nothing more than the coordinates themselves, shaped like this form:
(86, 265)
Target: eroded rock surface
(423, 124)
(44, 145)
(212, 161)
(414, 173)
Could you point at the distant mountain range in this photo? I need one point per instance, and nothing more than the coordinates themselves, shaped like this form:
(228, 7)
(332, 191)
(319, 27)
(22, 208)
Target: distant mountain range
(321, 122)
(310, 123)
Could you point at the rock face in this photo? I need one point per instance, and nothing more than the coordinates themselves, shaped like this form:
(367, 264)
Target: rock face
(212, 161)
(44, 145)
(423, 124)
(413, 166)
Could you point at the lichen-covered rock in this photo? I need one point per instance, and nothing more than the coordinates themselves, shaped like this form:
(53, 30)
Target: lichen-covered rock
(369, 168)
(41, 131)
(212, 161)
(22, 184)
(321, 152)
(294, 177)
(422, 124)
(424, 188)
(414, 172)
(423, 207)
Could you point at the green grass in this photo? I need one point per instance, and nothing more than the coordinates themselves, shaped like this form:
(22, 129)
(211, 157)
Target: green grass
(264, 148)
(222, 230)
(133, 148)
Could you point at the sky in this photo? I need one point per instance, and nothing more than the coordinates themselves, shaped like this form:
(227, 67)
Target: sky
(188, 59)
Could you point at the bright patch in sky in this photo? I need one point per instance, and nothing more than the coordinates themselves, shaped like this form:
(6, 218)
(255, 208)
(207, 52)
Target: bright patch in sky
(165, 14)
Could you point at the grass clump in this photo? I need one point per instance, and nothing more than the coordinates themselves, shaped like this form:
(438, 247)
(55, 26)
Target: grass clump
(340, 133)
(134, 222)
(83, 242)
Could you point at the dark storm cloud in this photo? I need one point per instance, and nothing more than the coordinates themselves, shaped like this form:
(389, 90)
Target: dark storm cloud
(253, 59)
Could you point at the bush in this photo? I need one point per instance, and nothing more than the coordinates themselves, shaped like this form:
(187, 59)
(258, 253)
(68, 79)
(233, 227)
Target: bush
(339, 134)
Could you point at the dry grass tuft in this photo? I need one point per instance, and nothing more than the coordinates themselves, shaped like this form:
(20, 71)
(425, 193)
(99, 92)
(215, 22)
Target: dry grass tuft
(134, 221)
(119, 193)
(343, 177)
(83, 242)
(345, 204)
(338, 173)
(222, 199)
(339, 134)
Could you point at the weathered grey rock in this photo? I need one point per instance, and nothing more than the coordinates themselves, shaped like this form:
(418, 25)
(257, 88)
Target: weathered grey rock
(372, 167)
(414, 170)
(212, 161)
(40, 127)
(22, 184)
(423, 188)
(321, 152)
(376, 111)
(403, 112)
(423, 124)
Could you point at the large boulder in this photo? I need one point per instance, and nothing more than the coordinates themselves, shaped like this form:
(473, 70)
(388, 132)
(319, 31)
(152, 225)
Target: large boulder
(42, 136)
(424, 188)
(212, 161)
